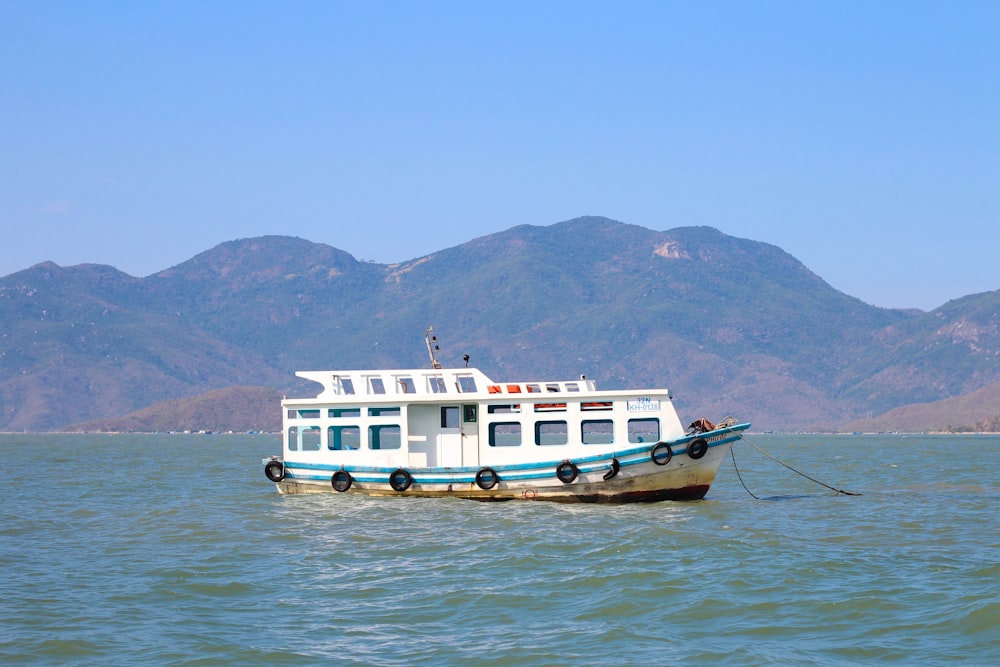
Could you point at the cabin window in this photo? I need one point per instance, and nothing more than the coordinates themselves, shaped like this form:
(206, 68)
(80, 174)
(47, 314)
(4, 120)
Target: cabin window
(597, 431)
(375, 385)
(466, 384)
(602, 405)
(551, 433)
(308, 414)
(343, 437)
(292, 414)
(550, 407)
(346, 385)
(469, 412)
(384, 437)
(383, 412)
(436, 384)
(643, 430)
(449, 416)
(293, 438)
(505, 434)
(345, 412)
(503, 409)
(310, 438)
(405, 385)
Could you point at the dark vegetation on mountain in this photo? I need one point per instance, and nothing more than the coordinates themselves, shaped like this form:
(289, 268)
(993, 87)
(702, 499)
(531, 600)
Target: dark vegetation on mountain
(732, 326)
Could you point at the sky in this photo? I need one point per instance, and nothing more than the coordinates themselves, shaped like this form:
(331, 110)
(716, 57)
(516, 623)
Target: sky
(863, 138)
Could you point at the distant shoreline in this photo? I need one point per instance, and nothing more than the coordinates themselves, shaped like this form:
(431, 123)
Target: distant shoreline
(278, 433)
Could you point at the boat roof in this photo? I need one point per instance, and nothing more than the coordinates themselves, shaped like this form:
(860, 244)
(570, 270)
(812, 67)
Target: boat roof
(434, 384)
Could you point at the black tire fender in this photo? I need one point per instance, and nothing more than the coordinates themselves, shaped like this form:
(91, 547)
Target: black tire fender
(341, 481)
(487, 478)
(697, 448)
(274, 471)
(613, 470)
(567, 472)
(400, 479)
(661, 454)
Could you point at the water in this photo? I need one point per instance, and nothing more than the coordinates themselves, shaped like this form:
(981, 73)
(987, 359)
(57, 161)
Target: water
(126, 550)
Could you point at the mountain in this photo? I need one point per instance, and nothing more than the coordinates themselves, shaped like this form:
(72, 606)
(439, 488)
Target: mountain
(85, 342)
(978, 410)
(733, 326)
(230, 409)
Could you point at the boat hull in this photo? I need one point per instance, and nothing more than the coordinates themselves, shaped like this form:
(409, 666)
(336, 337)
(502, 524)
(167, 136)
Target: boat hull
(680, 470)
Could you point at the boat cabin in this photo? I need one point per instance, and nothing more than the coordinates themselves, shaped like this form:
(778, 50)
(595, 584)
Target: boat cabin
(443, 418)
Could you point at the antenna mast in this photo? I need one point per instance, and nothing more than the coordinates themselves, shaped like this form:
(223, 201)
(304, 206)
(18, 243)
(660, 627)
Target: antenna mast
(432, 346)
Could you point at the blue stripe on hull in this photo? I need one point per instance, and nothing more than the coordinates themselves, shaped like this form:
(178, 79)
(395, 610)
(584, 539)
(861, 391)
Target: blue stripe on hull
(440, 479)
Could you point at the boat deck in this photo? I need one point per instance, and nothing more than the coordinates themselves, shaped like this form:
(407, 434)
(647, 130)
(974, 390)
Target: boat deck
(436, 384)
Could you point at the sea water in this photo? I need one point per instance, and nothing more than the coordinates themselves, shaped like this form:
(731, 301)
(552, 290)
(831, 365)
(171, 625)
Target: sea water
(174, 549)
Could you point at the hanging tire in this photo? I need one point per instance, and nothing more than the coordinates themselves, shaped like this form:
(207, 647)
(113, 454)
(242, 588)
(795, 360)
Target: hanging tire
(341, 481)
(567, 472)
(275, 471)
(487, 478)
(697, 448)
(400, 480)
(661, 454)
(613, 471)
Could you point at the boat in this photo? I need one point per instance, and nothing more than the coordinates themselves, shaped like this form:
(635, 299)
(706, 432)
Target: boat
(455, 432)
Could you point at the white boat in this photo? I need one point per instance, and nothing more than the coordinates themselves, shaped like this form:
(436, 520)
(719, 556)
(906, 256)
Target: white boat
(457, 433)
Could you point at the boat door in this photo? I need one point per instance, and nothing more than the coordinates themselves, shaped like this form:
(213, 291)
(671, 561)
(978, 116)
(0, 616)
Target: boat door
(450, 437)
(470, 434)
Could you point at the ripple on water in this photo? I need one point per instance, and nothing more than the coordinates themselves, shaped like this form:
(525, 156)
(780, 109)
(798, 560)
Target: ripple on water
(213, 567)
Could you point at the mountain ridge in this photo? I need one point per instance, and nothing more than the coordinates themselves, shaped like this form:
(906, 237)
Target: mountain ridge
(733, 325)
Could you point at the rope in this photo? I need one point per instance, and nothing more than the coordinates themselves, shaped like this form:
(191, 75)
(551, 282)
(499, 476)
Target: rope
(732, 452)
(832, 488)
(797, 472)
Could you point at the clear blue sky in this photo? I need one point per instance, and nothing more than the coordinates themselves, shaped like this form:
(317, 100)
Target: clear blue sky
(861, 137)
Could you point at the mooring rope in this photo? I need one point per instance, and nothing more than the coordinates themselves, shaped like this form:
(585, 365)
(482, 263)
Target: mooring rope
(732, 453)
(775, 459)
